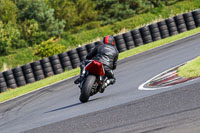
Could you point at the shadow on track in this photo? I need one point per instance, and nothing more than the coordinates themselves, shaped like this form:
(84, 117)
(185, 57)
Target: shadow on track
(69, 106)
(66, 107)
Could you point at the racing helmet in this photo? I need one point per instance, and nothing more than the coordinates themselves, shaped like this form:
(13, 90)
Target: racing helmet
(109, 40)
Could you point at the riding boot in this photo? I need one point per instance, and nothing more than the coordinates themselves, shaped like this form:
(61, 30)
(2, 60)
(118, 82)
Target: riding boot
(112, 81)
(107, 83)
(77, 81)
(82, 73)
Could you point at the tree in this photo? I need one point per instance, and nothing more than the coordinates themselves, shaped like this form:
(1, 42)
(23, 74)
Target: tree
(8, 11)
(113, 10)
(140, 6)
(32, 33)
(39, 11)
(158, 3)
(85, 11)
(9, 37)
(66, 10)
(74, 12)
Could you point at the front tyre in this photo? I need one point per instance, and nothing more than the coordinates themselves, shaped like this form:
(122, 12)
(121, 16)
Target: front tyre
(86, 88)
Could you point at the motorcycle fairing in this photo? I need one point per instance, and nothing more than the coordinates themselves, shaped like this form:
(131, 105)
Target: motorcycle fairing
(95, 67)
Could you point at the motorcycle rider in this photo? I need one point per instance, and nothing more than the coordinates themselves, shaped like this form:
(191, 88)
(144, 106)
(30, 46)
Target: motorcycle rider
(105, 53)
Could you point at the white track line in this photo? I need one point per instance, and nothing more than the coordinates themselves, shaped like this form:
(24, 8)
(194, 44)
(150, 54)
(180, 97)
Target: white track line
(141, 87)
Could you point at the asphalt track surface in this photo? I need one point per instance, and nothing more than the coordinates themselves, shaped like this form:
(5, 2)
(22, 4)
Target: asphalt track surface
(122, 108)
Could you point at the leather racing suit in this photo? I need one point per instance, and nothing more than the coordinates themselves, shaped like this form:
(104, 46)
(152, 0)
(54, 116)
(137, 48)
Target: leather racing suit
(107, 54)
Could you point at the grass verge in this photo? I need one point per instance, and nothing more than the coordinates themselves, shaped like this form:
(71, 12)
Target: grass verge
(34, 86)
(190, 69)
(12, 93)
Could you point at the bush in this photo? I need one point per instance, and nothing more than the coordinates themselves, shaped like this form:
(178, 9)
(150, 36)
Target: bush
(9, 37)
(21, 44)
(49, 48)
(93, 25)
(38, 11)
(8, 11)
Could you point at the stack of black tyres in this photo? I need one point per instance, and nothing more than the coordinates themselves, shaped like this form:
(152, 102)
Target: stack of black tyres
(89, 47)
(146, 35)
(56, 65)
(28, 73)
(189, 21)
(196, 15)
(98, 42)
(129, 40)
(3, 85)
(171, 26)
(163, 29)
(137, 37)
(19, 76)
(82, 52)
(65, 61)
(180, 23)
(37, 70)
(120, 43)
(46, 66)
(74, 58)
(10, 79)
(155, 33)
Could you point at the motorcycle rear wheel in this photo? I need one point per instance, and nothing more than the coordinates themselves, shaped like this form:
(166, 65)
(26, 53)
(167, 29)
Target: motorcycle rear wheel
(86, 88)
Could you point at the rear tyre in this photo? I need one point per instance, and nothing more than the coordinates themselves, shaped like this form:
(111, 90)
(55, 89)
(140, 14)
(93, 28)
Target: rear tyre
(86, 89)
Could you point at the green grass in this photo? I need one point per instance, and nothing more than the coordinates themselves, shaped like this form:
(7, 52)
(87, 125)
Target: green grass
(17, 58)
(31, 87)
(190, 69)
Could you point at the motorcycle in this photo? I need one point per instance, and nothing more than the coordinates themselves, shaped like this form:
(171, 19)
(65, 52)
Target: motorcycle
(93, 81)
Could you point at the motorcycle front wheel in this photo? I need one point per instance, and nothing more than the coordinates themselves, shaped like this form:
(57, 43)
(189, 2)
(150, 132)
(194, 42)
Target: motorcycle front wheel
(86, 88)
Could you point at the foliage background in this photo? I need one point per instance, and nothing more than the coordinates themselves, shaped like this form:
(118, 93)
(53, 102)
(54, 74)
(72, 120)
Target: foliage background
(26, 25)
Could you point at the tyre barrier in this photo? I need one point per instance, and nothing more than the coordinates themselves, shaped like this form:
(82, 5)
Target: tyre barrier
(46, 66)
(28, 73)
(37, 70)
(74, 58)
(171, 26)
(155, 33)
(82, 52)
(65, 61)
(146, 35)
(89, 47)
(196, 16)
(137, 37)
(3, 85)
(120, 43)
(56, 64)
(129, 40)
(98, 43)
(163, 29)
(189, 21)
(19, 76)
(10, 79)
(180, 23)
